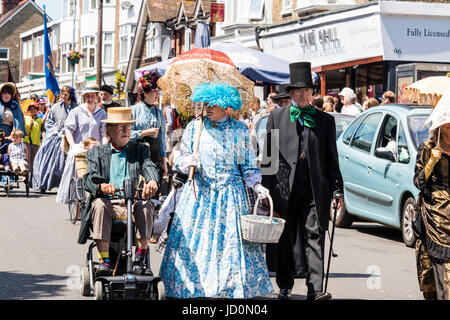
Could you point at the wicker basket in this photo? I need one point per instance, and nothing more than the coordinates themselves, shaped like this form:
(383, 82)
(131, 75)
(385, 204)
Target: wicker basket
(262, 229)
(81, 164)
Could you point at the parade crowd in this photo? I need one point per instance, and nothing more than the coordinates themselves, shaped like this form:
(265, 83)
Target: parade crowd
(204, 254)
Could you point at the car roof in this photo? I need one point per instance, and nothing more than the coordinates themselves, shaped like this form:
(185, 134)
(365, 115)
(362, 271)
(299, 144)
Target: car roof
(405, 108)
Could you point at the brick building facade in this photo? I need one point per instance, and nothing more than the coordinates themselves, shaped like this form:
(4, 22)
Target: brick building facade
(21, 17)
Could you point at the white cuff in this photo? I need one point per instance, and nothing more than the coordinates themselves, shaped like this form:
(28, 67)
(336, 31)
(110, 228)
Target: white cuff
(252, 179)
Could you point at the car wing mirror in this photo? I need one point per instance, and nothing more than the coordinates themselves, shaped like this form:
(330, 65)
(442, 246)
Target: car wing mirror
(384, 153)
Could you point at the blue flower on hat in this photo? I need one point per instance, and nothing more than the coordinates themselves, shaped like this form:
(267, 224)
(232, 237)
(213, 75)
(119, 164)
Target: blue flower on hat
(217, 94)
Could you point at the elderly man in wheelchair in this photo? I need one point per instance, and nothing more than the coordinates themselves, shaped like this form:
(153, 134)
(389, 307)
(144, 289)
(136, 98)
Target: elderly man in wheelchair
(108, 166)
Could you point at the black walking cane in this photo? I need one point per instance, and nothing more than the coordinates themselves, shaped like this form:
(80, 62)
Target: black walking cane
(326, 295)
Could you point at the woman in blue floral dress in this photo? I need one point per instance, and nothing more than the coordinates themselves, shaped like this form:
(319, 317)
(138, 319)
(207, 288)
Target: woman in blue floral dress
(205, 254)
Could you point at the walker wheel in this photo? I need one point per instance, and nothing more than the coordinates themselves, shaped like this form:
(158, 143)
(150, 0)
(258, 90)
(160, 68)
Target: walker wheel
(98, 292)
(85, 282)
(161, 290)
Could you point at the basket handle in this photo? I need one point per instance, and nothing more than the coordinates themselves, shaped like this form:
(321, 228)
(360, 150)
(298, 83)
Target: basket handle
(255, 209)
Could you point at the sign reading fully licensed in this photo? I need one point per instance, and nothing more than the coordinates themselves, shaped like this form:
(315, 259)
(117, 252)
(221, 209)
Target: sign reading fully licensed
(420, 39)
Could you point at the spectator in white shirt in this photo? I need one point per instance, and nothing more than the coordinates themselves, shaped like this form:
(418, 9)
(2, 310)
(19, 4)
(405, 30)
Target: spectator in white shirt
(350, 105)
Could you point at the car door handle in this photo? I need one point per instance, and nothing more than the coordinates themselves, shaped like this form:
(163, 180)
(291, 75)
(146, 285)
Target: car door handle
(369, 168)
(346, 157)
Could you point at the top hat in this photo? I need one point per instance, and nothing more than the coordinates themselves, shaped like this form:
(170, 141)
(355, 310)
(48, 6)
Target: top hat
(9, 84)
(107, 88)
(283, 93)
(93, 88)
(301, 76)
(118, 115)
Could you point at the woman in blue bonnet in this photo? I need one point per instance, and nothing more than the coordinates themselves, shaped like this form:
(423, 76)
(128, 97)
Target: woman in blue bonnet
(205, 255)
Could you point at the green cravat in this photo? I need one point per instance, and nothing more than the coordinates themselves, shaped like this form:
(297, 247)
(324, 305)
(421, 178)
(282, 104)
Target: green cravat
(306, 114)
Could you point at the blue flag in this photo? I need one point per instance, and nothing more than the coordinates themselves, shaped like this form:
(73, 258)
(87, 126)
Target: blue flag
(50, 80)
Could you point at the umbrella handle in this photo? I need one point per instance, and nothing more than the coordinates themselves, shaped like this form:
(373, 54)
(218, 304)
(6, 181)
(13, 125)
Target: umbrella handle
(197, 142)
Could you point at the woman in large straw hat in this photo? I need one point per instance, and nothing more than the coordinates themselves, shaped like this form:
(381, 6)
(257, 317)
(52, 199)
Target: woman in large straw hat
(81, 123)
(11, 116)
(48, 165)
(205, 254)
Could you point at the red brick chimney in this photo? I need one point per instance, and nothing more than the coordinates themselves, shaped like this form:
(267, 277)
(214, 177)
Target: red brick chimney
(8, 5)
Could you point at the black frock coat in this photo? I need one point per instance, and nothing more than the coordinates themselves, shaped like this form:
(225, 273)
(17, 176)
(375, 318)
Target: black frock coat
(279, 172)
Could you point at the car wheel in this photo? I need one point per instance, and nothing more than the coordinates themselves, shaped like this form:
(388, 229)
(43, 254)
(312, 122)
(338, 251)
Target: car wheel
(408, 213)
(343, 218)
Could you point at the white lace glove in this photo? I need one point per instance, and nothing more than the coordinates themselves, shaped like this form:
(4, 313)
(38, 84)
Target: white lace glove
(188, 162)
(262, 192)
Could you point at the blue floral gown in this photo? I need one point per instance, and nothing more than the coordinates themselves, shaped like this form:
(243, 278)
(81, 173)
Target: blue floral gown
(205, 255)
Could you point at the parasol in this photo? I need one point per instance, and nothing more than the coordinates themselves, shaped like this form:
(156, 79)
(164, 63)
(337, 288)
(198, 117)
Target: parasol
(440, 114)
(428, 90)
(197, 66)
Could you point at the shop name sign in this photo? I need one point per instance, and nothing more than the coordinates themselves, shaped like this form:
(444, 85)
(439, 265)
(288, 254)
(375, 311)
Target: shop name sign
(317, 43)
(417, 32)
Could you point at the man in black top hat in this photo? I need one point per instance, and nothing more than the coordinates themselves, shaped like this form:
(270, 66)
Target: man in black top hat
(106, 94)
(301, 170)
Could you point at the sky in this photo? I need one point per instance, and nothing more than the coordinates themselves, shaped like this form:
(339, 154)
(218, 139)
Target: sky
(53, 8)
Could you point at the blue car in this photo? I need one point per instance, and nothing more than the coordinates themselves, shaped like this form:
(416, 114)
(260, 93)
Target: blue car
(377, 155)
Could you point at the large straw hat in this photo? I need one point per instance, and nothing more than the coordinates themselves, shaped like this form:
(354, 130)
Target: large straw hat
(117, 115)
(9, 84)
(93, 88)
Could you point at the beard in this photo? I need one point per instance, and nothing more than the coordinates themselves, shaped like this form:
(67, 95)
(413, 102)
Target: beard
(106, 102)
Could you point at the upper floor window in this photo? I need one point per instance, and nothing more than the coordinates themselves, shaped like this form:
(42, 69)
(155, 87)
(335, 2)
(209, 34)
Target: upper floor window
(26, 49)
(88, 45)
(287, 5)
(4, 54)
(153, 37)
(126, 33)
(89, 5)
(255, 11)
(38, 46)
(108, 48)
(68, 8)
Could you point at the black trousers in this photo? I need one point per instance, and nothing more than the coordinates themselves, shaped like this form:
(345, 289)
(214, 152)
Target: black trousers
(302, 220)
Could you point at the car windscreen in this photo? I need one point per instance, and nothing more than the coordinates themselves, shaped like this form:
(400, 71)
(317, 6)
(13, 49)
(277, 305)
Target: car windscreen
(417, 128)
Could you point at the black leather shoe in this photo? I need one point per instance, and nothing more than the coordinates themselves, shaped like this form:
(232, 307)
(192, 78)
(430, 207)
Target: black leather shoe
(285, 294)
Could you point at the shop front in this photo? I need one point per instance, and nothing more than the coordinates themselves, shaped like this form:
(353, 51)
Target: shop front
(361, 47)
